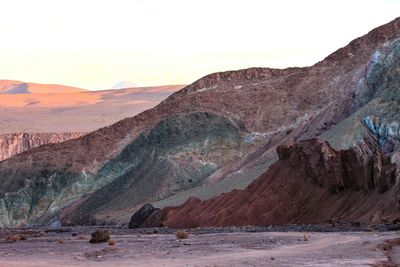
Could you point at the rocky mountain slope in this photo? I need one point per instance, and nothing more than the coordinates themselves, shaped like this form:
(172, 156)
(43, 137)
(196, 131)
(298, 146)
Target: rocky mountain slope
(224, 127)
(45, 114)
(12, 144)
(310, 183)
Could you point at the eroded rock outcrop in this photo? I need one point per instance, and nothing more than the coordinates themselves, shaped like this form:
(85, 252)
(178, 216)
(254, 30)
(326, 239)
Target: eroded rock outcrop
(311, 183)
(12, 144)
(142, 215)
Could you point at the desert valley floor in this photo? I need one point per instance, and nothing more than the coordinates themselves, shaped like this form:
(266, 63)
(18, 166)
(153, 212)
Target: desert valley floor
(203, 247)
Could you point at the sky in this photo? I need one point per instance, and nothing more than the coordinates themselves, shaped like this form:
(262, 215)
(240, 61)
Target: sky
(95, 44)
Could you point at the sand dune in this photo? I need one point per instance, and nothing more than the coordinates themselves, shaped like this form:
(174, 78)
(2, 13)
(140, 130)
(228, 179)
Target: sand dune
(57, 108)
(18, 87)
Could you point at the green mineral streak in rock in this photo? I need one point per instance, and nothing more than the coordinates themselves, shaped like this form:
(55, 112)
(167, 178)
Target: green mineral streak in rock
(380, 104)
(176, 154)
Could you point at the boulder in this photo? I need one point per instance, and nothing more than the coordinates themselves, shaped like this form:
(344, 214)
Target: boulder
(139, 218)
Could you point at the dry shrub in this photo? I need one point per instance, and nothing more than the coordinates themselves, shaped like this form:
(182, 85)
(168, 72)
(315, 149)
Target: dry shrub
(39, 234)
(112, 242)
(181, 234)
(369, 229)
(388, 247)
(99, 236)
(15, 237)
(196, 231)
(60, 241)
(305, 238)
(109, 249)
(81, 237)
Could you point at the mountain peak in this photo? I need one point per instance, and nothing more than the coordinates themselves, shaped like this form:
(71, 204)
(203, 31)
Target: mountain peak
(125, 84)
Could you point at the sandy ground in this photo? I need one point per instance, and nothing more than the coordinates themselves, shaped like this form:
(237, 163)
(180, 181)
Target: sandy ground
(217, 249)
(76, 111)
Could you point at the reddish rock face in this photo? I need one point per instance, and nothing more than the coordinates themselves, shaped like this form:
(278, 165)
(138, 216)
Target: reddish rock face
(12, 144)
(311, 183)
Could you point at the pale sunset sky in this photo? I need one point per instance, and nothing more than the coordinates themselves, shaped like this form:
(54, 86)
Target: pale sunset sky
(94, 44)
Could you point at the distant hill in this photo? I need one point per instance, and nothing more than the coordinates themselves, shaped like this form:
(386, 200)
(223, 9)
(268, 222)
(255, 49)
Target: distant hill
(29, 117)
(69, 109)
(18, 87)
(125, 84)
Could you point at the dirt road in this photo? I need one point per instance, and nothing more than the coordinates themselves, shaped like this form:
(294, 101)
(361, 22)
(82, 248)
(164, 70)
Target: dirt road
(218, 249)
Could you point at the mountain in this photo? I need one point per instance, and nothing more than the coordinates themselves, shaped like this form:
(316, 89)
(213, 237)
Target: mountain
(76, 111)
(124, 85)
(219, 133)
(311, 183)
(13, 144)
(30, 120)
(18, 87)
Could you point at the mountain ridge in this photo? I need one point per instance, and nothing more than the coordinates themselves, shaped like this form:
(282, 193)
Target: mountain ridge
(262, 107)
(19, 87)
(311, 183)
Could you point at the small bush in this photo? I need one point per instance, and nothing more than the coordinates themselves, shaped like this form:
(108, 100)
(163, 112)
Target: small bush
(100, 236)
(112, 242)
(181, 234)
(60, 241)
(305, 238)
(196, 231)
(39, 234)
(15, 237)
(150, 232)
(369, 229)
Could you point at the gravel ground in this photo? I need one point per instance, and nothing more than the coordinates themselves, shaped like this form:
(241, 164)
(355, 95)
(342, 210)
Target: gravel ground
(243, 246)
